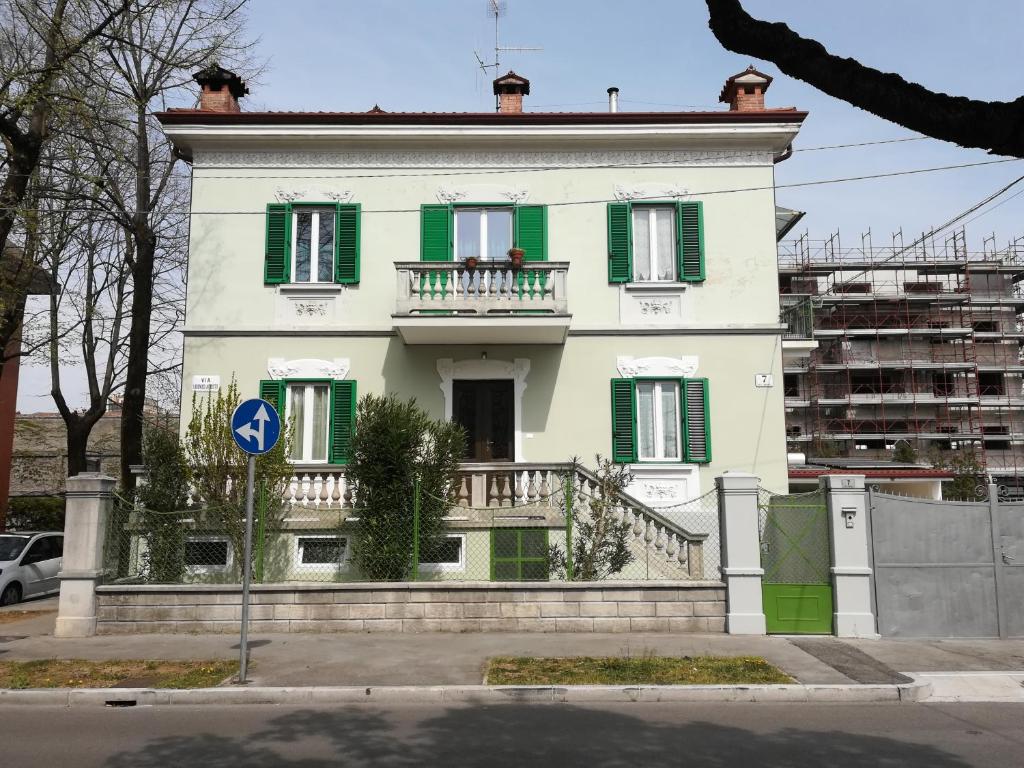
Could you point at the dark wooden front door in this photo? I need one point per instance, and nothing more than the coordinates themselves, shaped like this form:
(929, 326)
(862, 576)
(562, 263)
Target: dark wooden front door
(485, 410)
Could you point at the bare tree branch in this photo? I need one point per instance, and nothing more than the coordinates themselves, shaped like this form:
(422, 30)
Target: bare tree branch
(996, 126)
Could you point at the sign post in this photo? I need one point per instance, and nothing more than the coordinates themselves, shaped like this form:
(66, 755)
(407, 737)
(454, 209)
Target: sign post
(256, 427)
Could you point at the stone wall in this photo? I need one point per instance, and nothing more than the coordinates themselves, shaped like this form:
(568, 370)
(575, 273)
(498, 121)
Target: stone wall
(417, 607)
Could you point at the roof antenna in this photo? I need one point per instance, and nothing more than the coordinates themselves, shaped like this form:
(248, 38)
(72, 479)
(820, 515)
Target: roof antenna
(497, 9)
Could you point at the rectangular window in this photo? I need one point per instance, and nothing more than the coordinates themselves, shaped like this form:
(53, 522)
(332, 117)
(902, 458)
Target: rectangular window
(654, 244)
(207, 554)
(313, 244)
(485, 233)
(320, 552)
(449, 554)
(657, 420)
(308, 412)
(519, 554)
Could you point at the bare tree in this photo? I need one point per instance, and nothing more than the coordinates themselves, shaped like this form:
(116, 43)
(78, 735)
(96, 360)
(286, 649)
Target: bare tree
(148, 61)
(39, 41)
(997, 126)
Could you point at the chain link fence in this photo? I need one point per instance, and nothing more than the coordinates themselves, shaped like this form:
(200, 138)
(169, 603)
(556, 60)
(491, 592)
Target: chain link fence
(544, 529)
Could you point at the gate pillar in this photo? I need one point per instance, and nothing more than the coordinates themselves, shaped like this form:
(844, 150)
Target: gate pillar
(851, 564)
(741, 553)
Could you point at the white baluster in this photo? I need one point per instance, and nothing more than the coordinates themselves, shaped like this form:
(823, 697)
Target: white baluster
(324, 495)
(336, 489)
(672, 547)
(492, 500)
(463, 492)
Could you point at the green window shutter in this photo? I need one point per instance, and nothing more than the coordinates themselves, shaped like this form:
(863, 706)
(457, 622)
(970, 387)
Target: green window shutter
(346, 247)
(437, 227)
(623, 420)
(278, 254)
(343, 419)
(532, 231)
(696, 420)
(690, 240)
(620, 243)
(273, 392)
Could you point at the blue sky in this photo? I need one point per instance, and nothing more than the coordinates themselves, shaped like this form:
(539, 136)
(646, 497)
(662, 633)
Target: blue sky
(409, 55)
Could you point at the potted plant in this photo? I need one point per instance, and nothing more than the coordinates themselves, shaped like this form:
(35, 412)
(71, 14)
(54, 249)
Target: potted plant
(515, 256)
(471, 263)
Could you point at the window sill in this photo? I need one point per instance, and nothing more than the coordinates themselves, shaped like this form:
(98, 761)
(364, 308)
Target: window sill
(655, 287)
(310, 288)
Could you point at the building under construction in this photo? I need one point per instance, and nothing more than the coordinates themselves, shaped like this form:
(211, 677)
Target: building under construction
(917, 344)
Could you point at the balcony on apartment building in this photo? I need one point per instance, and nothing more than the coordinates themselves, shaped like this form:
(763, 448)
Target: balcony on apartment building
(451, 302)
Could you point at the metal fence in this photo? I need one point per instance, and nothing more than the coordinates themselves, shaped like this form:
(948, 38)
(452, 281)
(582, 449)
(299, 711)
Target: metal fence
(561, 529)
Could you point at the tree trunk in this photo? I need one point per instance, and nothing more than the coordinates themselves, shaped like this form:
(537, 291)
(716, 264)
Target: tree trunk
(78, 445)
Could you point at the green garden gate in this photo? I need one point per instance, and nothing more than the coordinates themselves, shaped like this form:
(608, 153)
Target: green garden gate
(795, 556)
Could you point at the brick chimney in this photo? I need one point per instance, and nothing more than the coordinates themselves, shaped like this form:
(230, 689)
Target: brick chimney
(745, 92)
(221, 89)
(510, 89)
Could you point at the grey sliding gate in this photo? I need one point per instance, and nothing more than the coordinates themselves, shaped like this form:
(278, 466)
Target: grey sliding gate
(947, 569)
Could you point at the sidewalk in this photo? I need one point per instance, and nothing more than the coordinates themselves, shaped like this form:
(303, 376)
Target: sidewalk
(434, 659)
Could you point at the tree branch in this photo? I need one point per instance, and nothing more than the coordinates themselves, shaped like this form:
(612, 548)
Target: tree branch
(996, 126)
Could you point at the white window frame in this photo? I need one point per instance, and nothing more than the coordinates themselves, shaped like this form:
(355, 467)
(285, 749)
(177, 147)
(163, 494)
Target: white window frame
(443, 567)
(652, 243)
(314, 247)
(307, 420)
(313, 567)
(659, 421)
(483, 209)
(199, 570)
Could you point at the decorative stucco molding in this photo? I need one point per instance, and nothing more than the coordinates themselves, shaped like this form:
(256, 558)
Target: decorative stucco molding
(308, 368)
(422, 159)
(483, 193)
(517, 370)
(650, 191)
(312, 195)
(657, 366)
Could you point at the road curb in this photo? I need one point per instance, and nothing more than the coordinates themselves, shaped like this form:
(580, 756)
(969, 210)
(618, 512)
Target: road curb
(476, 694)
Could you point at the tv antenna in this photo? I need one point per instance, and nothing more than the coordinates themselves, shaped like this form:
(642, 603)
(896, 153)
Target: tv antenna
(497, 9)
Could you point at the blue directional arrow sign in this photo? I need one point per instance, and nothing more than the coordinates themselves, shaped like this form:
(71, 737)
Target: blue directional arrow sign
(255, 426)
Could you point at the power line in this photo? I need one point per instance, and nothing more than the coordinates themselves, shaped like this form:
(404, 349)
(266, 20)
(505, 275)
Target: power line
(862, 144)
(569, 203)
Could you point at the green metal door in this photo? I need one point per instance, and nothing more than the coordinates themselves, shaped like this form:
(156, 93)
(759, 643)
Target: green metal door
(797, 584)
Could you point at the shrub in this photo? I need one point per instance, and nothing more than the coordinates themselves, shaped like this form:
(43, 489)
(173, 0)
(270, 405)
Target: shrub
(394, 444)
(35, 513)
(161, 500)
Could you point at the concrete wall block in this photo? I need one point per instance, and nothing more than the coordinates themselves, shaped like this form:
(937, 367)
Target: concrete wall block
(460, 595)
(264, 598)
(559, 610)
(574, 625)
(404, 610)
(505, 596)
(291, 612)
(391, 596)
(223, 612)
(702, 595)
(383, 625)
(661, 595)
(329, 625)
(106, 613)
(422, 625)
(716, 623)
(599, 609)
(482, 610)
(367, 611)
(498, 625)
(443, 610)
(317, 597)
(582, 595)
(622, 595)
(636, 609)
(709, 609)
(259, 626)
(678, 608)
(521, 610)
(645, 624)
(687, 624)
(330, 612)
(603, 624)
(536, 625)
(461, 625)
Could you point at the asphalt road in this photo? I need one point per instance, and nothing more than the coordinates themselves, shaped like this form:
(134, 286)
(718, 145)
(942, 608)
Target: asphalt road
(648, 735)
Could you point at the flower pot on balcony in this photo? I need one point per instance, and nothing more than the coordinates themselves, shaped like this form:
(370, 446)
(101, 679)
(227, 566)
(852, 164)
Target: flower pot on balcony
(515, 257)
(471, 263)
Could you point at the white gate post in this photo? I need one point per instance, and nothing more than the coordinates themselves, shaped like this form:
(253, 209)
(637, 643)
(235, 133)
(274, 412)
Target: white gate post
(851, 564)
(741, 553)
(90, 499)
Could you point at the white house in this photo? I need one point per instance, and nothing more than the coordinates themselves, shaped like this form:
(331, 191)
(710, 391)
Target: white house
(334, 254)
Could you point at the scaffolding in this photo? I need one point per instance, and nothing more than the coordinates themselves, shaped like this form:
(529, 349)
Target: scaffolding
(918, 343)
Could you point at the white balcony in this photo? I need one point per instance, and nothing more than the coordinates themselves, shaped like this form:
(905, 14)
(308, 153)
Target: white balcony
(441, 302)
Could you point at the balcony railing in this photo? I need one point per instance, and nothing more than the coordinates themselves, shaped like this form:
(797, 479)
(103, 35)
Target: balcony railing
(491, 288)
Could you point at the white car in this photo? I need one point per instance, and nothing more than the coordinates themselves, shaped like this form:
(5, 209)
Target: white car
(29, 564)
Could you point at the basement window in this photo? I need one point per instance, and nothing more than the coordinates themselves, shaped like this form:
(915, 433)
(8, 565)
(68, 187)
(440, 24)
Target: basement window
(448, 554)
(207, 554)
